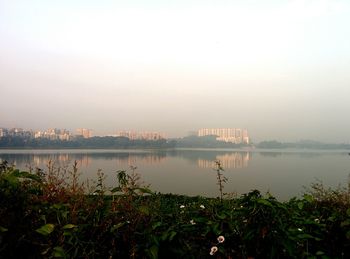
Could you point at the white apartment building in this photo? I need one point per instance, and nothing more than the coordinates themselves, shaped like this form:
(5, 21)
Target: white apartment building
(146, 135)
(233, 135)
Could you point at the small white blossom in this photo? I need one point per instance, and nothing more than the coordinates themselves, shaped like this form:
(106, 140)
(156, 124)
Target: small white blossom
(182, 206)
(221, 239)
(213, 250)
(192, 222)
(202, 206)
(317, 220)
(299, 229)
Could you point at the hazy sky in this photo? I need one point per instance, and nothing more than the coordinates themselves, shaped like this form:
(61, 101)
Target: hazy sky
(279, 68)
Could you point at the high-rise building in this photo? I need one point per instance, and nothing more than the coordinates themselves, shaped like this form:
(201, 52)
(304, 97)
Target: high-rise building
(53, 134)
(85, 133)
(232, 135)
(146, 135)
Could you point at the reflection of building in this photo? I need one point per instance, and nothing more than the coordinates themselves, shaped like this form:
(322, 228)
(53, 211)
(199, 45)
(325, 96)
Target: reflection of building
(61, 160)
(141, 135)
(135, 159)
(228, 160)
(227, 135)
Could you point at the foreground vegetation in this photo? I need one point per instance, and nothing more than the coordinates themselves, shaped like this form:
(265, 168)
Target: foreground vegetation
(52, 214)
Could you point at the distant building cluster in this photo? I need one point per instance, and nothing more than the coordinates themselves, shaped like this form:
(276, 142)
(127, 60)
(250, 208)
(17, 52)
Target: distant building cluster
(51, 134)
(16, 132)
(232, 135)
(85, 133)
(144, 135)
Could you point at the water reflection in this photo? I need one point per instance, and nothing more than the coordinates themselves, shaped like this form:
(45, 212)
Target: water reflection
(123, 158)
(83, 159)
(132, 159)
(283, 173)
(203, 159)
(228, 160)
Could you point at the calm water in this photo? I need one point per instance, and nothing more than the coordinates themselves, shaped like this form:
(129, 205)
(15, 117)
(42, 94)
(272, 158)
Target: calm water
(182, 171)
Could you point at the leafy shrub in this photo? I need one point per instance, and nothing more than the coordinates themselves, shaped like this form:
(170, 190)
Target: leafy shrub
(51, 214)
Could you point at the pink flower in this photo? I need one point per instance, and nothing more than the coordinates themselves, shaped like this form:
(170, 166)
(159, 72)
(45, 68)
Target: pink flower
(221, 239)
(213, 250)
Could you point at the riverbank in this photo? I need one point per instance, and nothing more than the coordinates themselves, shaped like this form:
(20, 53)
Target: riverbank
(52, 214)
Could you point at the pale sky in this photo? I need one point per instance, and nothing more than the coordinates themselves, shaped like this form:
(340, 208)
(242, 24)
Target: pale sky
(279, 68)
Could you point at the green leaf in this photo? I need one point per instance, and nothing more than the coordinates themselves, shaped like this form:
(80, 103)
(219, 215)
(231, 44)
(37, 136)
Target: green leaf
(348, 212)
(216, 229)
(27, 175)
(172, 235)
(145, 190)
(157, 224)
(221, 216)
(57, 206)
(69, 226)
(153, 252)
(305, 236)
(345, 223)
(115, 227)
(2, 229)
(46, 229)
(58, 252)
(308, 198)
(300, 205)
(144, 210)
(265, 202)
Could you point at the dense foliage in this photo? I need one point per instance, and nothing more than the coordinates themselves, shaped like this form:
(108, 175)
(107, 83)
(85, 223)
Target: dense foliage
(49, 214)
(206, 142)
(94, 142)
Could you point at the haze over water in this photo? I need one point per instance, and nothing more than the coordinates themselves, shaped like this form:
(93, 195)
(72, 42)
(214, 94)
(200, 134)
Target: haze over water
(278, 68)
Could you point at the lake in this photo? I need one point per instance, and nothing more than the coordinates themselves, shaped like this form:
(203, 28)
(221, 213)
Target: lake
(284, 173)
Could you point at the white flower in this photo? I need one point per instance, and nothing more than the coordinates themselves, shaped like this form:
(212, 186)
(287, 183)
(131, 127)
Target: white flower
(192, 222)
(213, 250)
(182, 206)
(299, 229)
(221, 239)
(202, 206)
(317, 220)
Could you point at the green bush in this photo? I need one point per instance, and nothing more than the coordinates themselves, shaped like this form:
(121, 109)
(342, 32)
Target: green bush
(50, 214)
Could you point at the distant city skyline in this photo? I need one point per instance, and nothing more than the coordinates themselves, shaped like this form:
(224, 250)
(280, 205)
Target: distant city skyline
(277, 68)
(233, 135)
